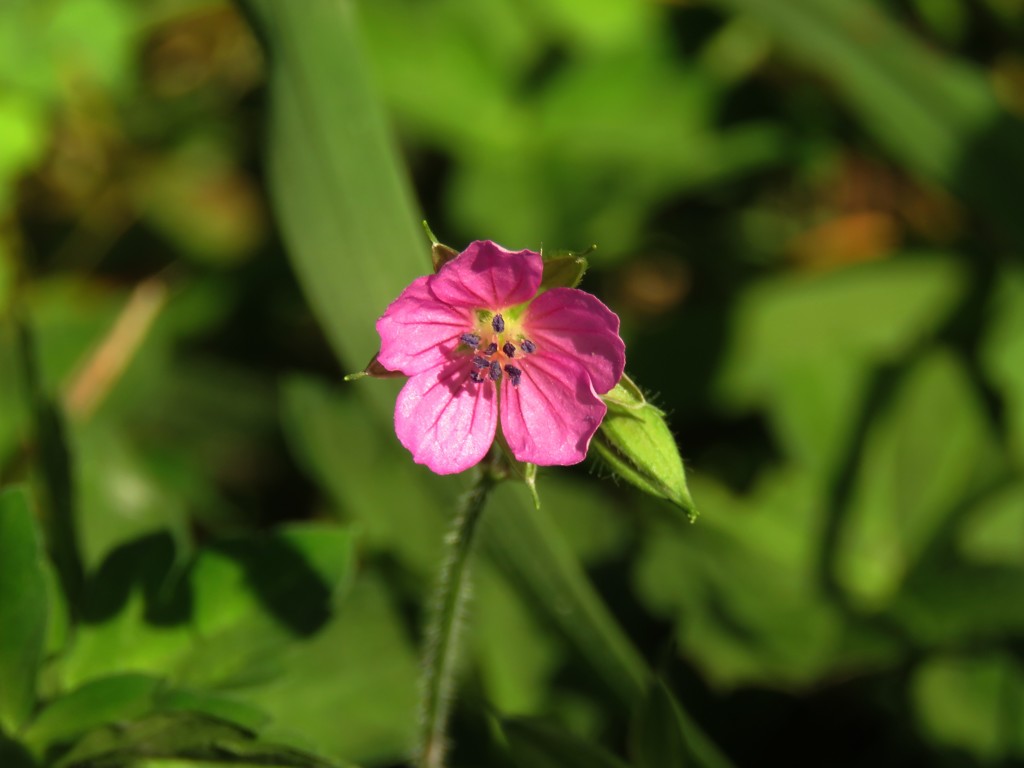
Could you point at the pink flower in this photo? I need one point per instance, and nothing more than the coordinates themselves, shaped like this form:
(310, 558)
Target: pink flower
(479, 345)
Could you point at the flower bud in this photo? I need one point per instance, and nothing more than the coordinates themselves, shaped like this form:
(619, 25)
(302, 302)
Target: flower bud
(635, 442)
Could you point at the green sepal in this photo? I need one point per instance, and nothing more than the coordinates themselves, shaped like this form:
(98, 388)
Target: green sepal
(440, 254)
(374, 370)
(635, 442)
(564, 269)
(504, 466)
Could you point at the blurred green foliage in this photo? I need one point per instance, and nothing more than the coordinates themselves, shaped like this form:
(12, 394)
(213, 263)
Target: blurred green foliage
(213, 551)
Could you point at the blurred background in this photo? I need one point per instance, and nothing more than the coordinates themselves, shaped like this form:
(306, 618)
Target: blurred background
(808, 216)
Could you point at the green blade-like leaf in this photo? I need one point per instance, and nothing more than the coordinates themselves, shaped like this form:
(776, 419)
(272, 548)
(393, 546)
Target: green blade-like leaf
(343, 204)
(525, 543)
(663, 736)
(636, 443)
(536, 744)
(23, 608)
(55, 470)
(656, 733)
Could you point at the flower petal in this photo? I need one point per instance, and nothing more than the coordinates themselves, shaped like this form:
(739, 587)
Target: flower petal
(418, 332)
(551, 416)
(574, 323)
(486, 276)
(446, 420)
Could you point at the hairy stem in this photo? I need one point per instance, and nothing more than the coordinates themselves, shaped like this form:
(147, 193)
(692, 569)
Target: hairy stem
(442, 642)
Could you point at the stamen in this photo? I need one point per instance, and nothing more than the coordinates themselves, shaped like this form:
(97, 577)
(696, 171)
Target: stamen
(514, 374)
(491, 349)
(528, 346)
(476, 376)
(470, 340)
(479, 362)
(495, 373)
(509, 349)
(498, 323)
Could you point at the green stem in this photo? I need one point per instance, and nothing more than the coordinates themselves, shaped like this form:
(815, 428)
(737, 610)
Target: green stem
(441, 656)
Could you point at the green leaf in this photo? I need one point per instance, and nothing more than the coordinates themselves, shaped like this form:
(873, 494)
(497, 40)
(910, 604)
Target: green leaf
(123, 698)
(663, 736)
(991, 533)
(1002, 354)
(350, 690)
(742, 587)
(538, 744)
(181, 734)
(134, 617)
(635, 441)
(929, 451)
(255, 596)
(224, 619)
(107, 461)
(973, 703)
(227, 709)
(804, 346)
(23, 608)
(107, 700)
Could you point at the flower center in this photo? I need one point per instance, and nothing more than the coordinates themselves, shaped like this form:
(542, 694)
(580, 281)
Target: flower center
(494, 344)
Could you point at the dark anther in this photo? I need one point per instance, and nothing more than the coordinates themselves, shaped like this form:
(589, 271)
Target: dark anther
(495, 373)
(479, 362)
(476, 376)
(470, 340)
(528, 346)
(513, 374)
(498, 323)
(491, 349)
(509, 349)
